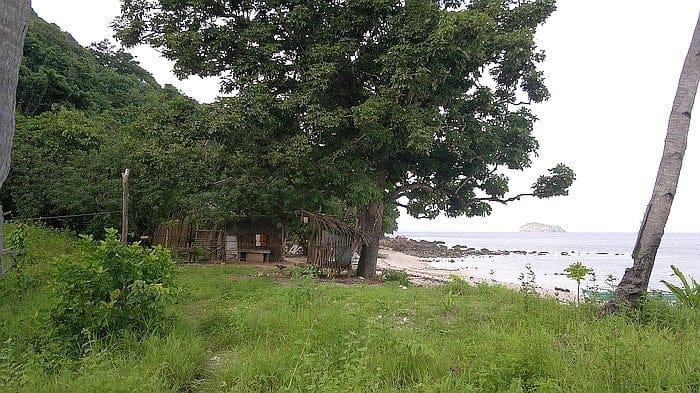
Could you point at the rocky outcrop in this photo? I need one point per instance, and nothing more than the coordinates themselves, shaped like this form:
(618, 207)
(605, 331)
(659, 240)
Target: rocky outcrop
(538, 227)
(436, 249)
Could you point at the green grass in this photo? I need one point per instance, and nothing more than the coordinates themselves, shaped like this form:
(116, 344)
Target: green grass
(239, 329)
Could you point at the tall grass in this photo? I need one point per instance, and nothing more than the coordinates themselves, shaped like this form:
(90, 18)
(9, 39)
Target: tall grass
(245, 330)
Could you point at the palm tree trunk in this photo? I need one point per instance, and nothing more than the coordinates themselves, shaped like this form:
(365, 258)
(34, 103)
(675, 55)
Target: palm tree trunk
(13, 27)
(635, 281)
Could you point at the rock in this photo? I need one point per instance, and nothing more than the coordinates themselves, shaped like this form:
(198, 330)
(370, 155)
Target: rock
(564, 253)
(538, 227)
(436, 249)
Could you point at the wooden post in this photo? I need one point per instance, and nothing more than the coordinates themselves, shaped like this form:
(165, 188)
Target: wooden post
(125, 205)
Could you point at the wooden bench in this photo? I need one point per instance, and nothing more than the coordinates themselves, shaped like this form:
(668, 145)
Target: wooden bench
(254, 255)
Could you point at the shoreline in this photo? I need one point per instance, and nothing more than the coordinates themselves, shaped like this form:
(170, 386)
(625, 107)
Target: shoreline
(421, 273)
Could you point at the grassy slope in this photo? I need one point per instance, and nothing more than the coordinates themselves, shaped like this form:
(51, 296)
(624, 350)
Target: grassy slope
(239, 329)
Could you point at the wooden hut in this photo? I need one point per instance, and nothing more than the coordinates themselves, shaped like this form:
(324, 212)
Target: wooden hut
(331, 242)
(259, 240)
(246, 240)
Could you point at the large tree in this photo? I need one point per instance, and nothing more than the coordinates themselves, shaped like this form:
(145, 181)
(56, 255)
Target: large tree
(13, 27)
(415, 103)
(635, 281)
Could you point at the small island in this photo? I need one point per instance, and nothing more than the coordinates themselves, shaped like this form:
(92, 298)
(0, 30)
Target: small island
(538, 227)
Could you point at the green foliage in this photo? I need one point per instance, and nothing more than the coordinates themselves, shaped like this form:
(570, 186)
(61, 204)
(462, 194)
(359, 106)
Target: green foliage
(399, 277)
(74, 138)
(368, 102)
(457, 285)
(111, 289)
(557, 183)
(234, 330)
(448, 303)
(528, 286)
(303, 287)
(688, 295)
(611, 282)
(56, 70)
(577, 272)
(17, 239)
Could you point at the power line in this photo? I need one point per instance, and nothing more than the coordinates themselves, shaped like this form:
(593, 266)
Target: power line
(67, 216)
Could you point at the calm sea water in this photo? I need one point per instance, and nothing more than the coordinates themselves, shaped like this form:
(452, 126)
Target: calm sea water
(605, 253)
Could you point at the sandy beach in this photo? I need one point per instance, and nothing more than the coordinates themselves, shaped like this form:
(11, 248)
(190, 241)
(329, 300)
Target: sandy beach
(422, 274)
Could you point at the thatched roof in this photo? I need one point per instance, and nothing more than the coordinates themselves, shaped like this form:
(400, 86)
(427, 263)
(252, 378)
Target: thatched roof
(322, 222)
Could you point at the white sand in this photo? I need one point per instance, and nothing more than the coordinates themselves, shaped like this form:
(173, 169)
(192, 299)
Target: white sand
(421, 273)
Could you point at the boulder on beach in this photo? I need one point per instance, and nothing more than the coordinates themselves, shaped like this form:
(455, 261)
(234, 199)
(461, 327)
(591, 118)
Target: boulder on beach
(539, 227)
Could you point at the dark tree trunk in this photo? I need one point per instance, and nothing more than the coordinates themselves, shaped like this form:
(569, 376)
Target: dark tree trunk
(370, 222)
(635, 281)
(277, 246)
(13, 27)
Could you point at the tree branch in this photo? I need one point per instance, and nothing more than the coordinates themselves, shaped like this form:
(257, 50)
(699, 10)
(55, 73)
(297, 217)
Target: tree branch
(402, 190)
(399, 204)
(503, 201)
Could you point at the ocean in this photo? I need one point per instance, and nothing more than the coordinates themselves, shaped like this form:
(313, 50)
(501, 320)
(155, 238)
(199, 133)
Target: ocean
(605, 253)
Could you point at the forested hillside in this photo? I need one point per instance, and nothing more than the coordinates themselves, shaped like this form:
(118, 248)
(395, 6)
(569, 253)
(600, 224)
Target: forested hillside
(57, 70)
(83, 116)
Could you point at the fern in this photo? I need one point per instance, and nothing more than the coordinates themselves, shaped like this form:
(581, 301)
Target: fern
(688, 295)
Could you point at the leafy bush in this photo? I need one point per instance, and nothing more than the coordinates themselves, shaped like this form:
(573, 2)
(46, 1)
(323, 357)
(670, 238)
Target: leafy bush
(17, 240)
(397, 276)
(19, 262)
(110, 288)
(577, 272)
(688, 295)
(456, 286)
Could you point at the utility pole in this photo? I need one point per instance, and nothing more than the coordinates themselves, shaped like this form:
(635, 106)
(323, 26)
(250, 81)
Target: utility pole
(125, 205)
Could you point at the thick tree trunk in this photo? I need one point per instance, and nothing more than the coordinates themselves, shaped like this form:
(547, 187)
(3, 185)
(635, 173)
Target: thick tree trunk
(13, 27)
(370, 223)
(635, 281)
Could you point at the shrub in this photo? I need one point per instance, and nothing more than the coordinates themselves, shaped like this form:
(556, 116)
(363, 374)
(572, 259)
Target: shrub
(688, 295)
(397, 276)
(16, 241)
(577, 272)
(110, 288)
(456, 286)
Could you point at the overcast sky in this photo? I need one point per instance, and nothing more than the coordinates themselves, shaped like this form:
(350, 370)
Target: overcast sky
(612, 68)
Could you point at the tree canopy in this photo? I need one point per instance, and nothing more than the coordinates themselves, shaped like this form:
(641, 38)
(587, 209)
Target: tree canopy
(187, 160)
(416, 103)
(83, 116)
